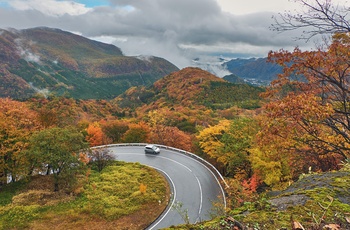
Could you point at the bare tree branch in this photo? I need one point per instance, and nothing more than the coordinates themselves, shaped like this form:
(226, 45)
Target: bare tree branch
(318, 18)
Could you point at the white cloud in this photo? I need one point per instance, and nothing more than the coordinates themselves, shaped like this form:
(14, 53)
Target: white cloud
(50, 7)
(239, 7)
(108, 39)
(177, 30)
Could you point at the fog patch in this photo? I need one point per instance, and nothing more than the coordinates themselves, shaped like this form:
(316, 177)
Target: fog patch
(212, 65)
(147, 58)
(26, 53)
(44, 92)
(30, 57)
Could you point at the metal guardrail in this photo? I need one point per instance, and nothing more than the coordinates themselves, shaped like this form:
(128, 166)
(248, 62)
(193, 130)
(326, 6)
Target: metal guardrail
(216, 173)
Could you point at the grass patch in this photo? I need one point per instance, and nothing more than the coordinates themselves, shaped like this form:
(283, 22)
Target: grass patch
(126, 195)
(7, 192)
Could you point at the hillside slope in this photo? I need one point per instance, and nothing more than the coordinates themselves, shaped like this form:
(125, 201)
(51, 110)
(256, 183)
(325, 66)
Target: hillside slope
(190, 87)
(49, 60)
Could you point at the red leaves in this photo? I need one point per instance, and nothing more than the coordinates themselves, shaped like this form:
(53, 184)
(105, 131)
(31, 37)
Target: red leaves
(251, 184)
(309, 100)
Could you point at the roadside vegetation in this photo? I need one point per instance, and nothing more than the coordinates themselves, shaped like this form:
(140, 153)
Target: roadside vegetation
(122, 196)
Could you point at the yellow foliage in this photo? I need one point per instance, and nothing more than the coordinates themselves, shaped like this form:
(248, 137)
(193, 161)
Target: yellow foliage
(209, 138)
(269, 165)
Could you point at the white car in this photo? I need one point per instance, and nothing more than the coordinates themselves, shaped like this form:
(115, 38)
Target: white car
(152, 149)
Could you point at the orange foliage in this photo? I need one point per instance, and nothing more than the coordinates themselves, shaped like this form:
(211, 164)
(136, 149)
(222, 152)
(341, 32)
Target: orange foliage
(308, 109)
(185, 85)
(95, 135)
(84, 158)
(17, 123)
(171, 136)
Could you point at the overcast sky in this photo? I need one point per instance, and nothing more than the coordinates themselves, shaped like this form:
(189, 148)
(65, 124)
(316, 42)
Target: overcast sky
(178, 30)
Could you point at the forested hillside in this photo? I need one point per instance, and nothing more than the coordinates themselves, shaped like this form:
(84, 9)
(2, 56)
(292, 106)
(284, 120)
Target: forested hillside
(45, 60)
(191, 87)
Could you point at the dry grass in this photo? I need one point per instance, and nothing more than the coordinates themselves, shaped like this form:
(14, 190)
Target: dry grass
(40, 192)
(136, 221)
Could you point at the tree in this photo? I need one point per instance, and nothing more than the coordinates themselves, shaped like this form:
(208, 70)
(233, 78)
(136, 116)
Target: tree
(317, 18)
(229, 143)
(237, 142)
(137, 133)
(315, 108)
(95, 136)
(171, 136)
(58, 150)
(209, 140)
(56, 111)
(17, 122)
(114, 130)
(100, 158)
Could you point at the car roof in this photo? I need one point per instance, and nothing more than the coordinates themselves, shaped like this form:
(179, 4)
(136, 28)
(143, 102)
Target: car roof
(149, 146)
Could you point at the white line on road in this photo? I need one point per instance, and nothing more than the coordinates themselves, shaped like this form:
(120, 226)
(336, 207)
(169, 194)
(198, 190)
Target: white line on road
(172, 203)
(201, 198)
(222, 190)
(176, 163)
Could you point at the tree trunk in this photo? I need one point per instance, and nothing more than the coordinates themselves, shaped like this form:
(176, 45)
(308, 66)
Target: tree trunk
(56, 188)
(48, 170)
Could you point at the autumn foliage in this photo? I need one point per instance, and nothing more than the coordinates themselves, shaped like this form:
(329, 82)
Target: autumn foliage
(17, 123)
(308, 111)
(95, 135)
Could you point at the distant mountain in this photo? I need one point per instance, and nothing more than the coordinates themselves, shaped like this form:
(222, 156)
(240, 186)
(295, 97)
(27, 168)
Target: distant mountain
(45, 60)
(253, 68)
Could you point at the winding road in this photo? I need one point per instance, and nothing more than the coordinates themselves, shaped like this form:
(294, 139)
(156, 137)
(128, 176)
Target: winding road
(193, 184)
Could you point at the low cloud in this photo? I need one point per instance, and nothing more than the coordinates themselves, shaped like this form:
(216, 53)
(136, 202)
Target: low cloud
(212, 64)
(25, 53)
(44, 92)
(176, 30)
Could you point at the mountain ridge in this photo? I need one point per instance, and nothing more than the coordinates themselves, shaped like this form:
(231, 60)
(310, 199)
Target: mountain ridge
(51, 60)
(253, 68)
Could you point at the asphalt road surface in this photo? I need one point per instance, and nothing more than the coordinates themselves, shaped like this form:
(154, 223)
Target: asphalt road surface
(193, 184)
